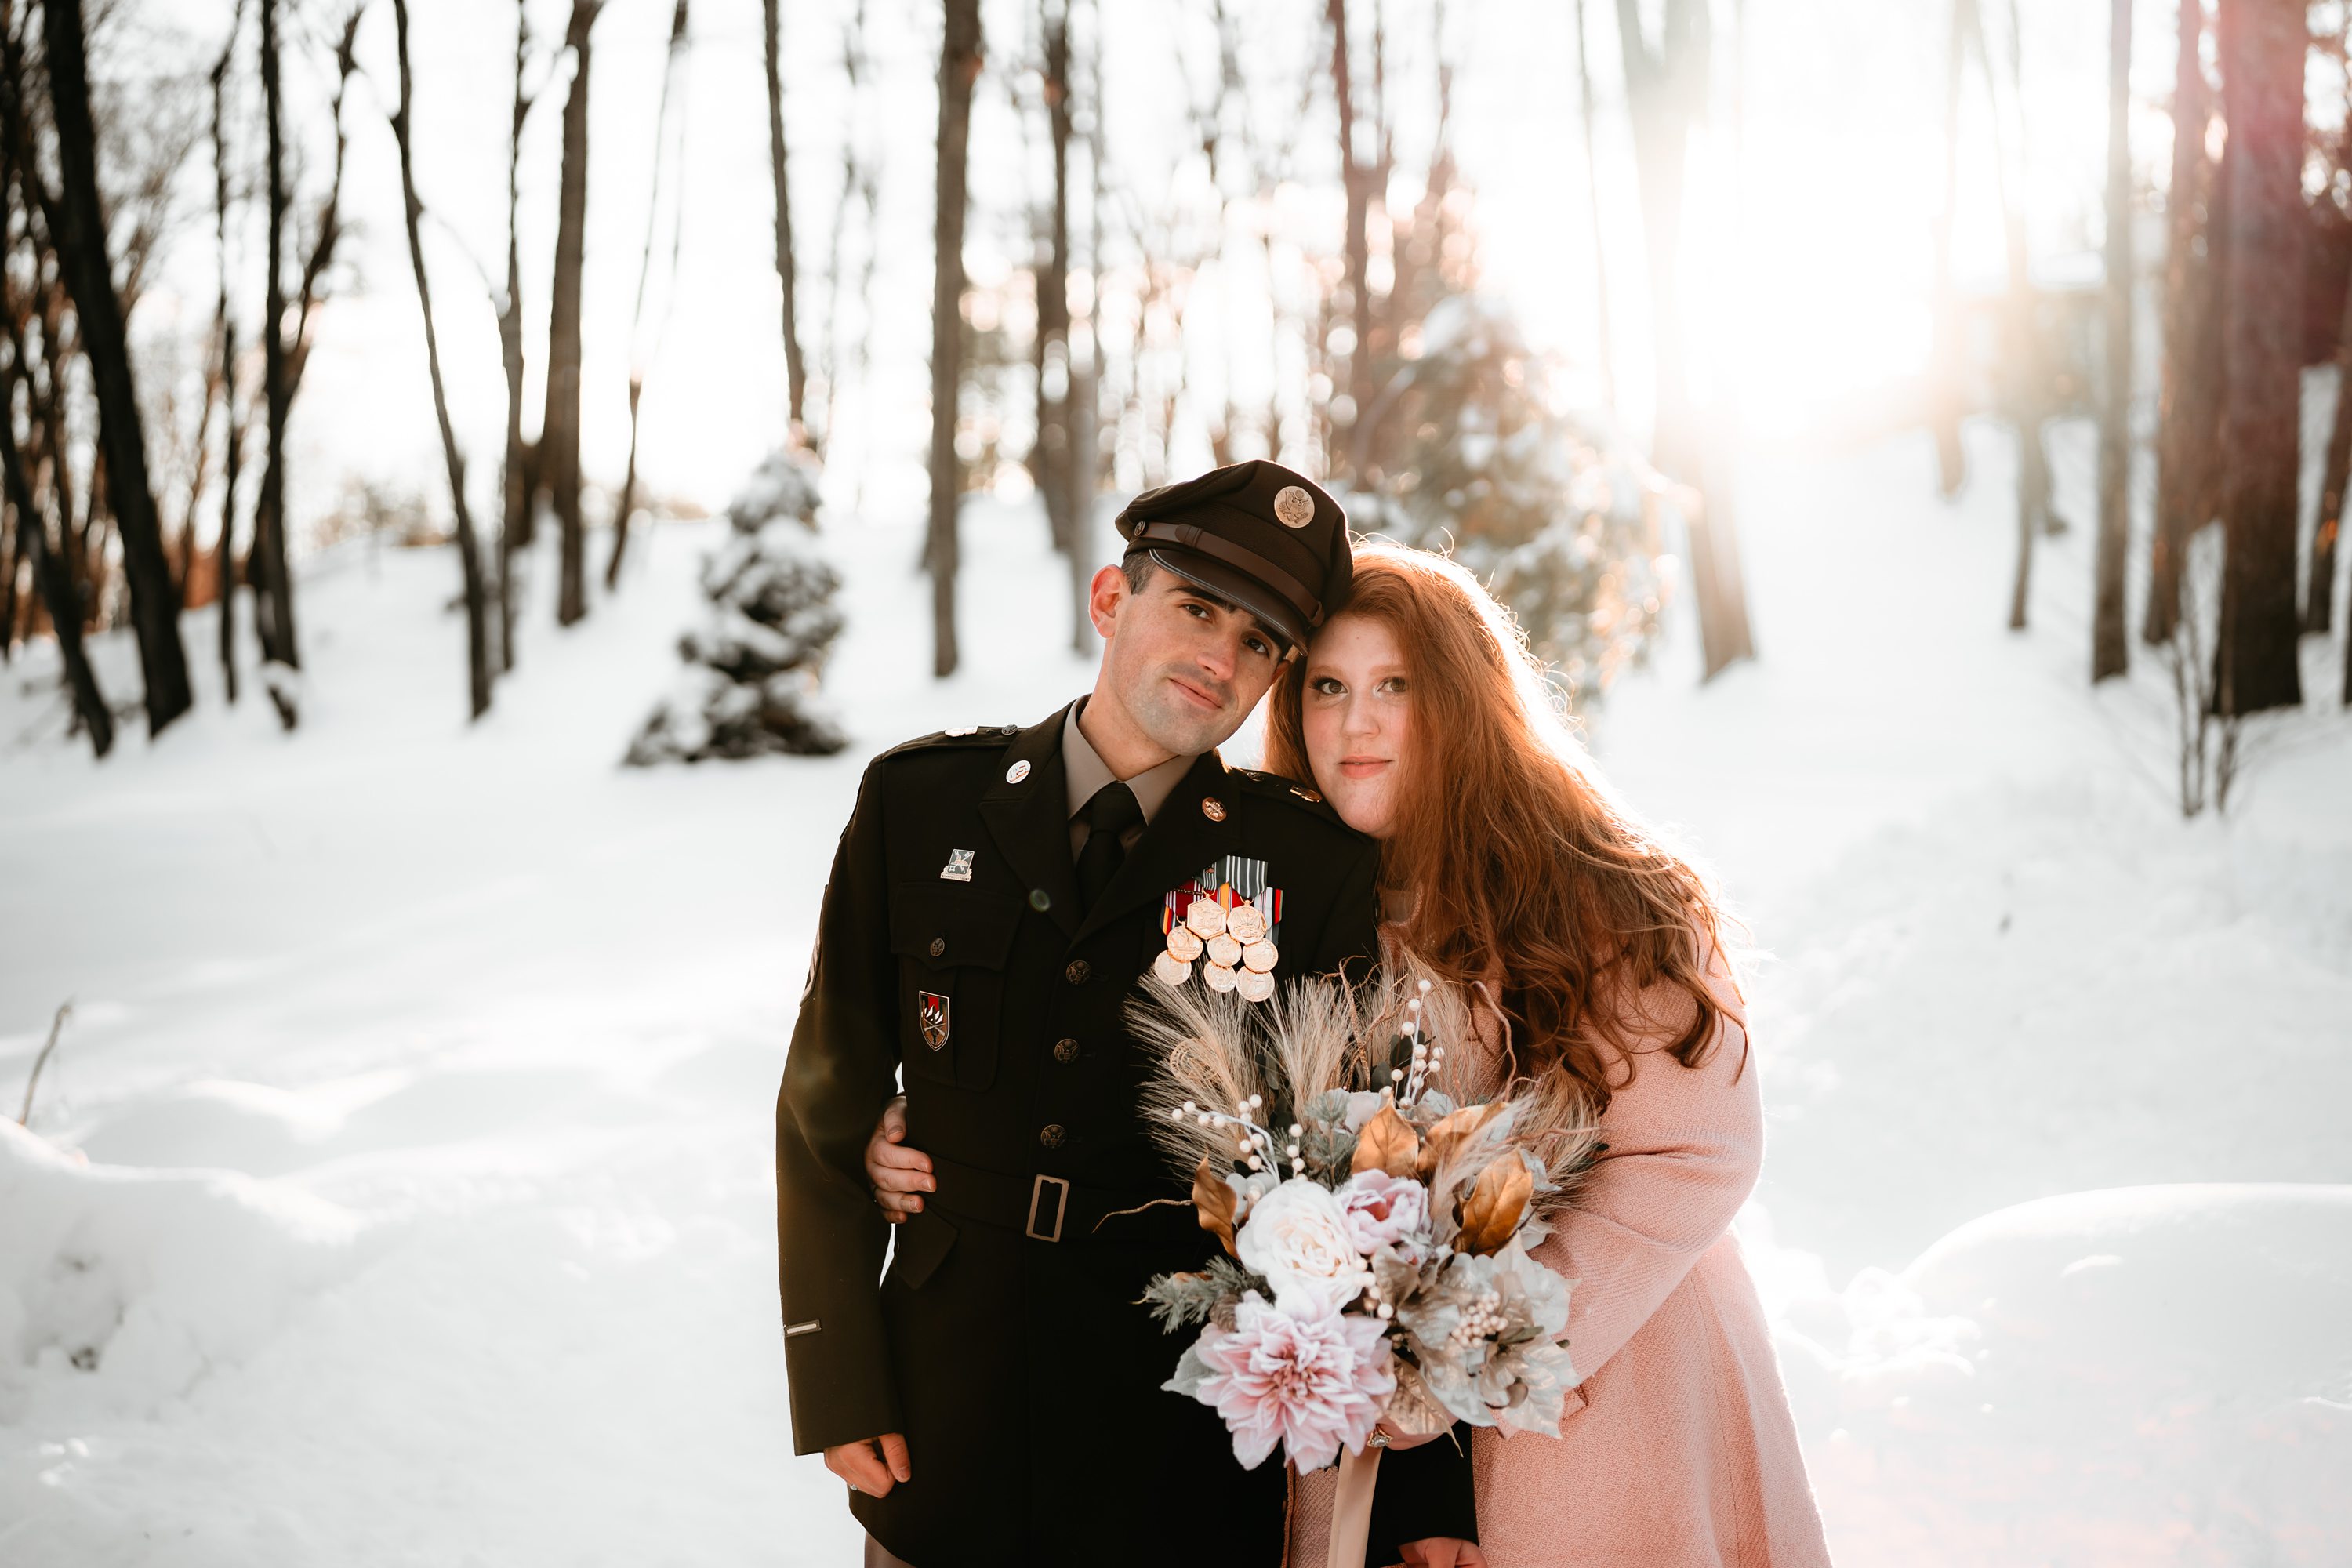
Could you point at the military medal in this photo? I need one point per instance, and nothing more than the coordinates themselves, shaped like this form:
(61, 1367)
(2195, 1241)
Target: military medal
(1229, 916)
(933, 1017)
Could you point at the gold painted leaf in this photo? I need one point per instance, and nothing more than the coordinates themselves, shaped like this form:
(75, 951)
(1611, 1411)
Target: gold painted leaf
(1213, 1196)
(1451, 1132)
(1491, 1213)
(1388, 1142)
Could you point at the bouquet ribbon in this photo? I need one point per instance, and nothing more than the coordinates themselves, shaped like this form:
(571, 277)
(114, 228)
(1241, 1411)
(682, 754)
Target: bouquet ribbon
(1351, 1510)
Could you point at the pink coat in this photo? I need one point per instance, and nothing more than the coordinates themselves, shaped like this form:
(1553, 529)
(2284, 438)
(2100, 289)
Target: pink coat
(1678, 1450)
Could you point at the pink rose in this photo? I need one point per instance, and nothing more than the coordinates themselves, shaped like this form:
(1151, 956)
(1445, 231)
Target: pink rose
(1308, 1384)
(1381, 1209)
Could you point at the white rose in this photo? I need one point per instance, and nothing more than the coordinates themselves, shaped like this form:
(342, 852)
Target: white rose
(1298, 1238)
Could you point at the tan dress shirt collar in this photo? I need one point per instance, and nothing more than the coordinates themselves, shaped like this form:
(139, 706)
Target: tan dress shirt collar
(1085, 772)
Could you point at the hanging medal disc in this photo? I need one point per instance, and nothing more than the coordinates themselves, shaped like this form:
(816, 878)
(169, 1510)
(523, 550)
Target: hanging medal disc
(1224, 950)
(1219, 977)
(1255, 985)
(1171, 970)
(1206, 917)
(1246, 922)
(1183, 946)
(1260, 957)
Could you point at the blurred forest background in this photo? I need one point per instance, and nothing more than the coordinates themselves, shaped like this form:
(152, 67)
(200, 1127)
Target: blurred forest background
(1914, 435)
(1257, 236)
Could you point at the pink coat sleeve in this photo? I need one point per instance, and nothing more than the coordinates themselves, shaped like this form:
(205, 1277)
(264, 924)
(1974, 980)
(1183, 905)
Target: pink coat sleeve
(1684, 1146)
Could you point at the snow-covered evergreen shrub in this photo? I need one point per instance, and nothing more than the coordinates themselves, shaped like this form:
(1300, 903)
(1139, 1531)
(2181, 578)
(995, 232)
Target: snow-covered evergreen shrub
(751, 684)
(1538, 506)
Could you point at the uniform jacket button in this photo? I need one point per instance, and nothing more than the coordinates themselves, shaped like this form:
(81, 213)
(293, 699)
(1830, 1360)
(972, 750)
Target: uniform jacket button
(1077, 972)
(1050, 1135)
(939, 945)
(1066, 1050)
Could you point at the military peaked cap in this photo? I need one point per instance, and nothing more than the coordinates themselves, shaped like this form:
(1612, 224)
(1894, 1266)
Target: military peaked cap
(1264, 536)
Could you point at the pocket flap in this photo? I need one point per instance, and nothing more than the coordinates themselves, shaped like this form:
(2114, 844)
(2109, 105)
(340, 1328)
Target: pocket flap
(946, 928)
(923, 1244)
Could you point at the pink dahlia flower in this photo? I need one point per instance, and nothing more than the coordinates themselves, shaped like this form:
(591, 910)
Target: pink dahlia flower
(1381, 1209)
(1309, 1385)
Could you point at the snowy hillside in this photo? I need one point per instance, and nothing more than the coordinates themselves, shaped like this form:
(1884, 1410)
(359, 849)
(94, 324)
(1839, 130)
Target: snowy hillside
(399, 1192)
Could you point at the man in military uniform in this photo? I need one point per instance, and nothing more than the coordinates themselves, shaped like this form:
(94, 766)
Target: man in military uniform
(994, 1397)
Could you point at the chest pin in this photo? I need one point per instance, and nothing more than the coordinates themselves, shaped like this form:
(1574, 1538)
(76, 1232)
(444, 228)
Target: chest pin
(959, 867)
(1213, 808)
(1017, 772)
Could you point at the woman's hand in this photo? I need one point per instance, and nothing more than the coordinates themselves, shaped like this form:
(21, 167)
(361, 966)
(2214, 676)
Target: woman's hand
(1443, 1552)
(899, 1175)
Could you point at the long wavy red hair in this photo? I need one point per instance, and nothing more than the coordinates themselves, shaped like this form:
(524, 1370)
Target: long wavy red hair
(1526, 874)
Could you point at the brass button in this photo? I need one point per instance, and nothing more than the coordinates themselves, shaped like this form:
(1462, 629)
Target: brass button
(1066, 1050)
(939, 945)
(1077, 972)
(1051, 1135)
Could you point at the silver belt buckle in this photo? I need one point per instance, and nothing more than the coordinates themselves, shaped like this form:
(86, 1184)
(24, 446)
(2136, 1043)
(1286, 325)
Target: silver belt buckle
(1061, 1208)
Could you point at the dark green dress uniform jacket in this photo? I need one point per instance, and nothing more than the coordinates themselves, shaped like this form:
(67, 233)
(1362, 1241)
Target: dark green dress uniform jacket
(1021, 1371)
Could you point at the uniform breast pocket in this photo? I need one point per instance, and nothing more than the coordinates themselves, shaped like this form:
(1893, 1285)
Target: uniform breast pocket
(951, 951)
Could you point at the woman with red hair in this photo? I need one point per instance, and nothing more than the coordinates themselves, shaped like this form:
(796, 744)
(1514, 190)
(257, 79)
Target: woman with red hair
(1511, 871)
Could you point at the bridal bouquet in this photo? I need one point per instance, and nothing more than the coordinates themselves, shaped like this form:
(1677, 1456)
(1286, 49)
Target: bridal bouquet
(1376, 1226)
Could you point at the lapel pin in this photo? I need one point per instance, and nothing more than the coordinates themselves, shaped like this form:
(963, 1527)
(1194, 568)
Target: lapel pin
(959, 867)
(1213, 808)
(1308, 795)
(1017, 772)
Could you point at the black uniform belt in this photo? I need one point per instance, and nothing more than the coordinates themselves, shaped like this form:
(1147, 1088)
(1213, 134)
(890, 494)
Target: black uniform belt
(1041, 1207)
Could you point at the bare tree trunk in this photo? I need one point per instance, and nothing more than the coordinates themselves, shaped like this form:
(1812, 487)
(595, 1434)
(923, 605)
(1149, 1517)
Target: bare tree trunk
(628, 502)
(1600, 247)
(1667, 96)
(559, 434)
(56, 587)
(2189, 419)
(224, 325)
(1054, 456)
(2319, 593)
(2110, 646)
(477, 650)
(796, 372)
(273, 601)
(515, 523)
(1356, 179)
(2261, 49)
(959, 62)
(79, 230)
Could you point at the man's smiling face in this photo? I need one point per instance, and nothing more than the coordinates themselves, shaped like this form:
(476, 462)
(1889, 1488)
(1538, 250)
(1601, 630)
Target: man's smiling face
(1187, 665)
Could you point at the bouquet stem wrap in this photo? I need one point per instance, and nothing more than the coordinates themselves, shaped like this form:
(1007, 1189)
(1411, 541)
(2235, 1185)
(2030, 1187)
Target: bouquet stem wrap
(1351, 1510)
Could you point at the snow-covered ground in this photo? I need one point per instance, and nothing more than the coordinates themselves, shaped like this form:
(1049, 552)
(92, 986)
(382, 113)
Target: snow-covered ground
(399, 1192)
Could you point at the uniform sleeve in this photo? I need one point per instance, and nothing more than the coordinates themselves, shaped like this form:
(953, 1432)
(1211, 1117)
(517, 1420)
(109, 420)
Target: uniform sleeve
(830, 1237)
(1684, 1148)
(1351, 938)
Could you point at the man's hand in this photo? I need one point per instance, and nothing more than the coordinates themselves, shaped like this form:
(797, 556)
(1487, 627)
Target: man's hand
(899, 1175)
(875, 1465)
(1443, 1552)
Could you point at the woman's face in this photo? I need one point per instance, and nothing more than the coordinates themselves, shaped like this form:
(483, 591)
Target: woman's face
(1359, 720)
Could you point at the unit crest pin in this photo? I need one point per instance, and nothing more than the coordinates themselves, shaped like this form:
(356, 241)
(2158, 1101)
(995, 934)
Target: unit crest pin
(1213, 808)
(1017, 771)
(959, 867)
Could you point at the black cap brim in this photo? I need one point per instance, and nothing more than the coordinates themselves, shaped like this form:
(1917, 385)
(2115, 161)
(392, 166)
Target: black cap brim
(1233, 584)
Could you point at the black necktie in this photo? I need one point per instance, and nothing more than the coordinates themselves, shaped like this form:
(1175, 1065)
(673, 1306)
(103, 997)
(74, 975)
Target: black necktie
(1111, 812)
